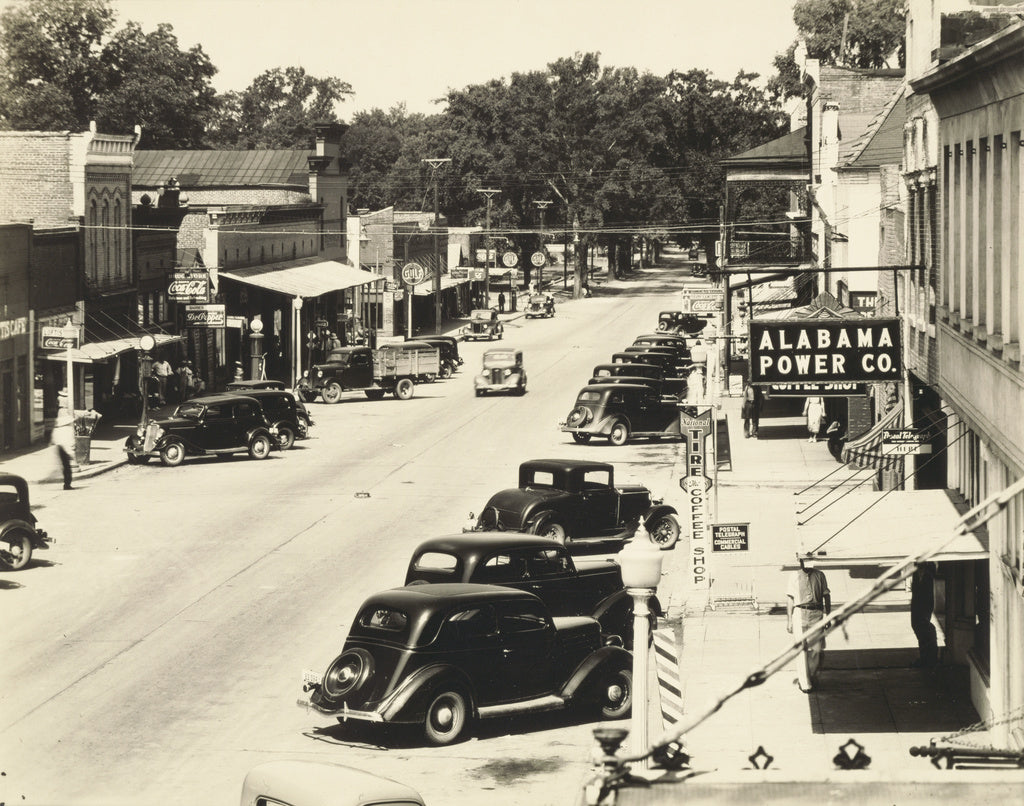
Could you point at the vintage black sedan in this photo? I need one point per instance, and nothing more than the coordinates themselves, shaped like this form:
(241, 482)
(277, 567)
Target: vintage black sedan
(449, 349)
(19, 535)
(502, 371)
(539, 565)
(674, 387)
(286, 413)
(665, 341)
(440, 656)
(621, 412)
(214, 425)
(542, 305)
(679, 322)
(577, 502)
(483, 324)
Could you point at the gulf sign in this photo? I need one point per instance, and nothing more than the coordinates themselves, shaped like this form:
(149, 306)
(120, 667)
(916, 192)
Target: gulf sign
(834, 351)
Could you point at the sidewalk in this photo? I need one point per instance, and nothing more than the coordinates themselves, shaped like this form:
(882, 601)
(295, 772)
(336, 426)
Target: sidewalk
(866, 689)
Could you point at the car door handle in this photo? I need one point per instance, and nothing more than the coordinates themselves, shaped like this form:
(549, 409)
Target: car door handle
(534, 587)
(506, 652)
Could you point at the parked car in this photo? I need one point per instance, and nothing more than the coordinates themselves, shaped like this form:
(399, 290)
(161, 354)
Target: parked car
(449, 348)
(19, 535)
(305, 420)
(284, 412)
(661, 358)
(247, 386)
(577, 502)
(503, 371)
(483, 324)
(441, 656)
(297, 782)
(540, 305)
(674, 387)
(665, 341)
(539, 565)
(205, 426)
(679, 322)
(621, 412)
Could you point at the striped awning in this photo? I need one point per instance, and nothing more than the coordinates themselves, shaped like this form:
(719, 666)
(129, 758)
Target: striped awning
(866, 451)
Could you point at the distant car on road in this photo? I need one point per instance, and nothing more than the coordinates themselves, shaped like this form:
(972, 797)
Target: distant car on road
(540, 305)
(503, 371)
(205, 426)
(577, 502)
(483, 324)
(449, 348)
(296, 782)
(539, 565)
(441, 656)
(19, 535)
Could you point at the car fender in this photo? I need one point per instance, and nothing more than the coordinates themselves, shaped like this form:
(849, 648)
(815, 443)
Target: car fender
(535, 514)
(657, 511)
(167, 439)
(409, 702)
(257, 431)
(605, 426)
(616, 605)
(596, 663)
(17, 523)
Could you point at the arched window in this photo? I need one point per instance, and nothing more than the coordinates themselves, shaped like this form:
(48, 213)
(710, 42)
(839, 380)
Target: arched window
(118, 232)
(105, 238)
(93, 239)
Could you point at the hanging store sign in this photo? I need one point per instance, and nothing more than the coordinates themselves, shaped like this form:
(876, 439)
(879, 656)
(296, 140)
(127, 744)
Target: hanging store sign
(538, 259)
(205, 316)
(478, 275)
(414, 273)
(189, 286)
(459, 272)
(9, 328)
(904, 442)
(58, 338)
(509, 259)
(842, 351)
(819, 389)
(703, 300)
(695, 485)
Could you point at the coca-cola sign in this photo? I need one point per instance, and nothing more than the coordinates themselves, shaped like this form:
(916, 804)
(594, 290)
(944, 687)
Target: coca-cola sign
(189, 286)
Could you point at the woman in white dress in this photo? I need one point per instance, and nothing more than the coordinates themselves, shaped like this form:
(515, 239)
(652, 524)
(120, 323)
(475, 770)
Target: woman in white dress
(814, 410)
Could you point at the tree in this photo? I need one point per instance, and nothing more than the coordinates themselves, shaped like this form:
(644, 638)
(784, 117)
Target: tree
(148, 80)
(49, 52)
(856, 33)
(279, 110)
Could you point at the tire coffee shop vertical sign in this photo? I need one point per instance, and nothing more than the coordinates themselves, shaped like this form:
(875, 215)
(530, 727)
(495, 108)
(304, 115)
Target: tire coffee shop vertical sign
(696, 426)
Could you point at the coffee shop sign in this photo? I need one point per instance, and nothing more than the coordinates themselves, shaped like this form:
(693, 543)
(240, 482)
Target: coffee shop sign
(842, 351)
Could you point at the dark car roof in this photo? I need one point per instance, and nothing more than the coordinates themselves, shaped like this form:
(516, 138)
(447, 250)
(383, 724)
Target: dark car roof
(414, 344)
(221, 397)
(257, 393)
(666, 336)
(434, 597)
(567, 465)
(623, 380)
(657, 367)
(617, 387)
(248, 386)
(16, 481)
(473, 543)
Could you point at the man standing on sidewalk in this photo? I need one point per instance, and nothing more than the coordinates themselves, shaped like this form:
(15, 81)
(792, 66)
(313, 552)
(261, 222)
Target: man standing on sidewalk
(808, 593)
(162, 371)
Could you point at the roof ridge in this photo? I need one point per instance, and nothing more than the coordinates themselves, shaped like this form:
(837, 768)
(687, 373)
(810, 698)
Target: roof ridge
(864, 139)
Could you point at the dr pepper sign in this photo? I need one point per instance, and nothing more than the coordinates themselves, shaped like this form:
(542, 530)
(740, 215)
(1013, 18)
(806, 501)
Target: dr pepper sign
(836, 351)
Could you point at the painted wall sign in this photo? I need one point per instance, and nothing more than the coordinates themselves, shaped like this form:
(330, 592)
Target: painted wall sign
(820, 389)
(836, 351)
(730, 537)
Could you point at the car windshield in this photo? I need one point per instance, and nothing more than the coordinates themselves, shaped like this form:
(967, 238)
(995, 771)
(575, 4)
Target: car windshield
(190, 411)
(338, 357)
(481, 316)
(589, 397)
(499, 359)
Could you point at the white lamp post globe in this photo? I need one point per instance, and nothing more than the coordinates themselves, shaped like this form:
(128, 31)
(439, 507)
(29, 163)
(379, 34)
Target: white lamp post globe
(147, 343)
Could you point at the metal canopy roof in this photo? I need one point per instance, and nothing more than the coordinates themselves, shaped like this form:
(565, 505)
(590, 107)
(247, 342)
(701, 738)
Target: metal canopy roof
(298, 279)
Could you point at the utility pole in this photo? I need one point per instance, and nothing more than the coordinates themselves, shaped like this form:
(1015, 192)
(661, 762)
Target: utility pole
(488, 192)
(542, 205)
(434, 164)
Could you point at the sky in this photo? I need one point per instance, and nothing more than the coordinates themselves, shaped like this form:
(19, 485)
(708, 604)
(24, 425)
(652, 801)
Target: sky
(414, 51)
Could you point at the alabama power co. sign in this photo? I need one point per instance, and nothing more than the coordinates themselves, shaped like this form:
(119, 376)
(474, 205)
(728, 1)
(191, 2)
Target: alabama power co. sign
(838, 351)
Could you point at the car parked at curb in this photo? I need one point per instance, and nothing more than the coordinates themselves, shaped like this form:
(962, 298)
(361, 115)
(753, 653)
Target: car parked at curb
(483, 324)
(449, 349)
(502, 371)
(662, 358)
(621, 412)
(665, 341)
(19, 535)
(441, 656)
(674, 387)
(576, 502)
(214, 425)
(297, 782)
(285, 413)
(679, 322)
(539, 565)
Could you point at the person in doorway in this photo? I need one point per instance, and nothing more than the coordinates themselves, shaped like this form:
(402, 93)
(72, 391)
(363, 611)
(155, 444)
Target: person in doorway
(162, 372)
(751, 409)
(63, 439)
(501, 302)
(836, 439)
(333, 342)
(186, 380)
(808, 593)
(814, 410)
(922, 603)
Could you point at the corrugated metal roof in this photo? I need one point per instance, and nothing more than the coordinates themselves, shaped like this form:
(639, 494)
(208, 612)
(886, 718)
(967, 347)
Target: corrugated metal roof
(305, 277)
(198, 169)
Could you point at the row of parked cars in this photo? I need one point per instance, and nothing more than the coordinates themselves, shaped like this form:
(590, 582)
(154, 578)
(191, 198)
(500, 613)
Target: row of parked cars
(638, 394)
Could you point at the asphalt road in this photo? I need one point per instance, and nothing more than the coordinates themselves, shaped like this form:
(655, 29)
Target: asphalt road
(155, 653)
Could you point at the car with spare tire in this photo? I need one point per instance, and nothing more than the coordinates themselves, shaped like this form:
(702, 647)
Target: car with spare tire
(441, 656)
(19, 534)
(620, 412)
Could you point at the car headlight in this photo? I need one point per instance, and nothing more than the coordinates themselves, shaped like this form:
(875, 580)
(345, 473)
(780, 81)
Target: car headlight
(319, 373)
(508, 373)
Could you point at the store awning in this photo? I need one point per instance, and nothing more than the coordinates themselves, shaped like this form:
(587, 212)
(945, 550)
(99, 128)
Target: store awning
(866, 451)
(303, 279)
(882, 528)
(425, 289)
(99, 351)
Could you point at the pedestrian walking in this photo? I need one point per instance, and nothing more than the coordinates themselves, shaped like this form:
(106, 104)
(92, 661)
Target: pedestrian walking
(162, 372)
(751, 409)
(63, 439)
(922, 603)
(808, 601)
(333, 342)
(501, 302)
(814, 410)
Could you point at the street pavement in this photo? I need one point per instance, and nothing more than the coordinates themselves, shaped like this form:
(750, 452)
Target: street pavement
(867, 690)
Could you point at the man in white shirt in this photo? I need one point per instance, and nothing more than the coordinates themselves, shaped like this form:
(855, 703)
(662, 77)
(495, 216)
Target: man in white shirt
(808, 593)
(162, 371)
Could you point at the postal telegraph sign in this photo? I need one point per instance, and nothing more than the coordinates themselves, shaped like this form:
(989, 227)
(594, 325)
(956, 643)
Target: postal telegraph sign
(825, 351)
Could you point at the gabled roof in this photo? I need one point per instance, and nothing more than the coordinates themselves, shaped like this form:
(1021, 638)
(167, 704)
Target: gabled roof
(788, 149)
(205, 169)
(881, 143)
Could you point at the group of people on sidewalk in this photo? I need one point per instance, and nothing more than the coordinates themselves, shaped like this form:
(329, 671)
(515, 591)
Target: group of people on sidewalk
(183, 381)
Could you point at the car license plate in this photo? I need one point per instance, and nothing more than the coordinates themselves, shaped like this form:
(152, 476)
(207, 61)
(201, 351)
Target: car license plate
(311, 678)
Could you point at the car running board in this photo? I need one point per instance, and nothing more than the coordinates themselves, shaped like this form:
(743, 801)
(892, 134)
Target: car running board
(549, 703)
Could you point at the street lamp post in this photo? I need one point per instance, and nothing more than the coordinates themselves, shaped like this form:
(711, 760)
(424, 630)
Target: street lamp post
(542, 205)
(434, 164)
(488, 192)
(255, 346)
(146, 343)
(640, 562)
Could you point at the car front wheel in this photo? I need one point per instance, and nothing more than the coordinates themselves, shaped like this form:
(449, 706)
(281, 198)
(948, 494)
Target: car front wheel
(446, 371)
(549, 527)
(172, 454)
(619, 435)
(403, 389)
(332, 393)
(259, 447)
(15, 549)
(615, 694)
(664, 531)
(446, 718)
(580, 437)
(286, 436)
